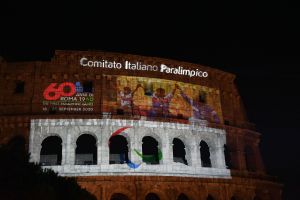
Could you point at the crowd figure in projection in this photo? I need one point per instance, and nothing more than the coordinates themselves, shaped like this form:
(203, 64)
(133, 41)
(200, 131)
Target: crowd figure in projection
(160, 103)
(200, 110)
(126, 97)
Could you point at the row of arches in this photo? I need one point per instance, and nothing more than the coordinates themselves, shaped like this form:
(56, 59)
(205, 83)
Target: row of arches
(118, 150)
(86, 151)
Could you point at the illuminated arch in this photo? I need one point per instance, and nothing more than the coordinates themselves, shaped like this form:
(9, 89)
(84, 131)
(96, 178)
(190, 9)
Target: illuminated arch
(76, 130)
(187, 141)
(153, 135)
(86, 150)
(118, 150)
(179, 153)
(150, 150)
(51, 151)
(205, 154)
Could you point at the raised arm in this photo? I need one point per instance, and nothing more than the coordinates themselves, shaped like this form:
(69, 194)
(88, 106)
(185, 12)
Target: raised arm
(184, 96)
(171, 94)
(137, 87)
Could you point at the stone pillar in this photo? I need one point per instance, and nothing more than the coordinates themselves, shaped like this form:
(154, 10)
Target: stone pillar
(70, 150)
(188, 155)
(195, 154)
(171, 155)
(35, 155)
(99, 151)
(31, 143)
(136, 144)
(104, 145)
(64, 152)
(166, 148)
(218, 158)
(35, 146)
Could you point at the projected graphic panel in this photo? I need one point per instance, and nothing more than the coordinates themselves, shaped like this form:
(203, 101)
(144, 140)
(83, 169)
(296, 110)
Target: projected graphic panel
(154, 98)
(68, 97)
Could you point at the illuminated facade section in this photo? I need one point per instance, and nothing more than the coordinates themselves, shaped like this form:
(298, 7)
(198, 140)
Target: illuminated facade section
(69, 130)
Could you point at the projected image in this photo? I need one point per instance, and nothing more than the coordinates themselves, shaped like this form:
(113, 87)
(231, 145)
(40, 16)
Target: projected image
(155, 99)
(68, 97)
(119, 151)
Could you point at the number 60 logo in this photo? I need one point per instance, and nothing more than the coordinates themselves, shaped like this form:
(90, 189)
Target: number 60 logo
(55, 91)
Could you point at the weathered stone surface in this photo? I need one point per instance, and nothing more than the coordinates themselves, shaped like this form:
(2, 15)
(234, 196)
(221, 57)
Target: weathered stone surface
(102, 129)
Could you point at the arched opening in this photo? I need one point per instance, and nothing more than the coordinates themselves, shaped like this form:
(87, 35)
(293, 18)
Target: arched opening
(182, 197)
(227, 157)
(152, 196)
(205, 154)
(118, 150)
(179, 151)
(250, 159)
(209, 197)
(119, 196)
(51, 152)
(86, 150)
(150, 150)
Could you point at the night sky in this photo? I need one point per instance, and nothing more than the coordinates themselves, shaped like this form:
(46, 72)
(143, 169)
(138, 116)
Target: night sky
(257, 42)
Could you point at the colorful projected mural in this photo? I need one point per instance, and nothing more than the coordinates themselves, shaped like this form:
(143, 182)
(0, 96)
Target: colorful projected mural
(67, 97)
(154, 99)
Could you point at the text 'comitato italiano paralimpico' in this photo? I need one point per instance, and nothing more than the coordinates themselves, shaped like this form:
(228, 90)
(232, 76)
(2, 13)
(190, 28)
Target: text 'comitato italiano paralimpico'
(127, 65)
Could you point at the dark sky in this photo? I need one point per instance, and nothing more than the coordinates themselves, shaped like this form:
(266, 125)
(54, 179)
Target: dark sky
(258, 42)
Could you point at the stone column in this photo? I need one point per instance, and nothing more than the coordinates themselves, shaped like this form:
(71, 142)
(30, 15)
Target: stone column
(188, 155)
(218, 158)
(135, 144)
(64, 152)
(35, 145)
(70, 150)
(195, 153)
(35, 155)
(99, 151)
(166, 148)
(171, 155)
(104, 145)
